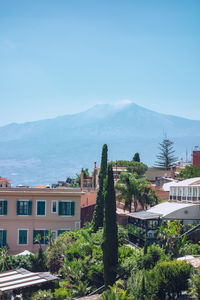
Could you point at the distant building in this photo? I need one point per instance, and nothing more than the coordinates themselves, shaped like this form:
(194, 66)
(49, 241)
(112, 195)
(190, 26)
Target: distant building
(4, 182)
(196, 157)
(25, 212)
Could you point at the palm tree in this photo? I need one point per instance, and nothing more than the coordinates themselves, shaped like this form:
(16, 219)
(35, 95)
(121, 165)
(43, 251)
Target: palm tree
(38, 239)
(128, 186)
(135, 190)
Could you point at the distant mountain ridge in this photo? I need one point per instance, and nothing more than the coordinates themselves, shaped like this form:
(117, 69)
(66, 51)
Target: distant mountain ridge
(48, 150)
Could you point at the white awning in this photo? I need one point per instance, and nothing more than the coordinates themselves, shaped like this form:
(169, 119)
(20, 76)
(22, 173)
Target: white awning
(21, 278)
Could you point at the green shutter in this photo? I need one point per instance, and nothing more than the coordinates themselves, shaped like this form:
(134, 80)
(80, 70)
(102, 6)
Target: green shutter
(60, 212)
(41, 208)
(5, 204)
(34, 236)
(46, 237)
(18, 207)
(4, 237)
(59, 232)
(72, 208)
(23, 237)
(30, 208)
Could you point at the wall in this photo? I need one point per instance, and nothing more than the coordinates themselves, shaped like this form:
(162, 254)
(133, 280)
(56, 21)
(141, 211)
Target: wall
(52, 221)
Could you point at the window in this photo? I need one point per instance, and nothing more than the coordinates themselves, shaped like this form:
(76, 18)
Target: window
(54, 235)
(62, 230)
(24, 207)
(43, 234)
(41, 208)
(54, 206)
(3, 207)
(23, 237)
(66, 208)
(3, 235)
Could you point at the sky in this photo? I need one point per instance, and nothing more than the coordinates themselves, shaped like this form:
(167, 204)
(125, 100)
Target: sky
(60, 57)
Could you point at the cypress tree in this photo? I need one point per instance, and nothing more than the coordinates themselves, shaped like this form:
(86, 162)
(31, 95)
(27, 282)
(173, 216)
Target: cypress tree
(136, 157)
(99, 207)
(110, 237)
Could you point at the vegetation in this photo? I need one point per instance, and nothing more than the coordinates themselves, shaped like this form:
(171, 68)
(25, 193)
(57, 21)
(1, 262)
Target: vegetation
(194, 284)
(166, 157)
(190, 172)
(110, 241)
(135, 190)
(132, 166)
(98, 215)
(136, 157)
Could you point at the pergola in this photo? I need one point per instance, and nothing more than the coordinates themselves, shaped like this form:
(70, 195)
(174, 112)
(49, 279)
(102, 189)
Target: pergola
(21, 278)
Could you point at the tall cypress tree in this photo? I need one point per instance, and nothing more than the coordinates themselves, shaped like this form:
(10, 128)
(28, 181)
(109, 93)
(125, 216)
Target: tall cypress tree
(110, 237)
(99, 207)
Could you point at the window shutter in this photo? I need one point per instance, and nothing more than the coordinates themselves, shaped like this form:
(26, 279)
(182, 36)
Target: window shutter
(4, 237)
(59, 232)
(18, 207)
(72, 208)
(34, 236)
(30, 208)
(45, 238)
(5, 204)
(60, 209)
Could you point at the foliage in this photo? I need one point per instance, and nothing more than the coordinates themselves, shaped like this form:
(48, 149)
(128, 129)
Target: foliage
(77, 181)
(194, 284)
(5, 259)
(39, 261)
(168, 278)
(136, 157)
(136, 190)
(115, 293)
(132, 166)
(189, 249)
(98, 215)
(64, 291)
(42, 295)
(110, 236)
(169, 235)
(149, 260)
(166, 157)
(190, 172)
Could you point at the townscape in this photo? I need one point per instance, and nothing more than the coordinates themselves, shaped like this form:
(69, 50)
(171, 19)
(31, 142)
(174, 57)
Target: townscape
(125, 232)
(99, 150)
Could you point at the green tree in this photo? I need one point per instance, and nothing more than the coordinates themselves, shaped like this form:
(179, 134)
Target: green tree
(98, 216)
(110, 236)
(136, 157)
(194, 284)
(166, 157)
(190, 172)
(169, 235)
(135, 190)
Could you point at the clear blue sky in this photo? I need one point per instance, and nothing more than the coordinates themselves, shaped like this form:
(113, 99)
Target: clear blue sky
(63, 56)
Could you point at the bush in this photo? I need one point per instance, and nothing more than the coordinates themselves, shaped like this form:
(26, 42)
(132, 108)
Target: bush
(42, 295)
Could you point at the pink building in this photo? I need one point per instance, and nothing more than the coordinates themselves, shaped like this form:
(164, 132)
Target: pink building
(25, 212)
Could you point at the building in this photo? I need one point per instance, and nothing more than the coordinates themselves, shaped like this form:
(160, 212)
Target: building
(4, 182)
(196, 157)
(183, 205)
(26, 212)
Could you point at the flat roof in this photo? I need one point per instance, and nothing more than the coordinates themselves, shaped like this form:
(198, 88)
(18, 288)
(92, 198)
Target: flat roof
(21, 278)
(145, 215)
(38, 191)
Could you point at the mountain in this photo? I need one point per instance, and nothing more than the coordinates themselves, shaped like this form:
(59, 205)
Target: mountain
(45, 151)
